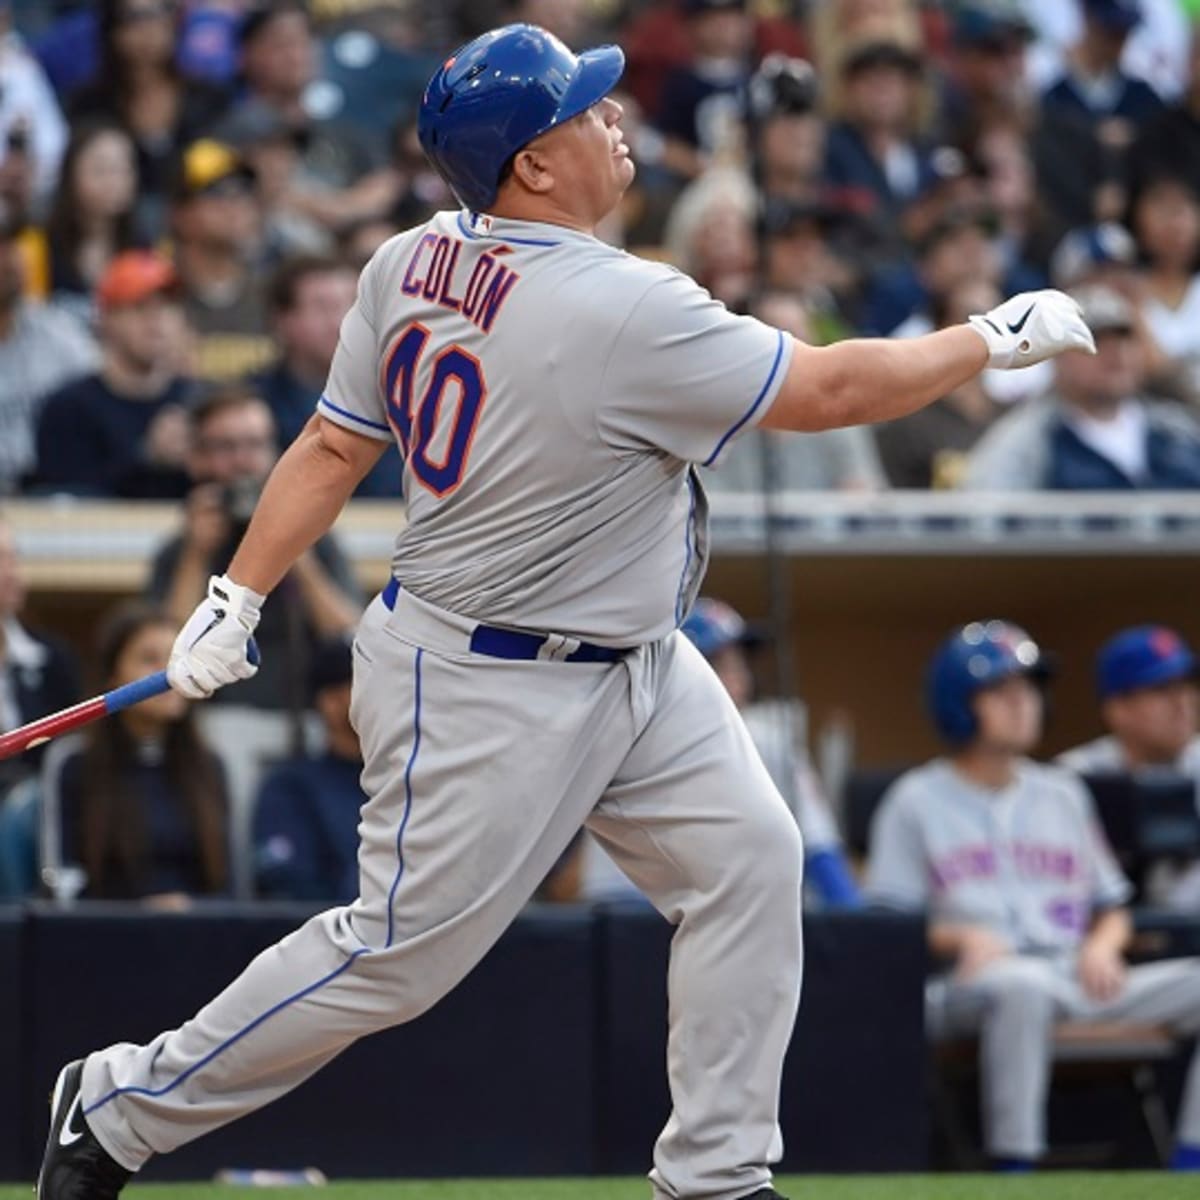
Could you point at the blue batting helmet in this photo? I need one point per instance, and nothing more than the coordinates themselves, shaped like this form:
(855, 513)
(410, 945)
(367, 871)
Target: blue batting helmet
(1143, 657)
(973, 658)
(499, 92)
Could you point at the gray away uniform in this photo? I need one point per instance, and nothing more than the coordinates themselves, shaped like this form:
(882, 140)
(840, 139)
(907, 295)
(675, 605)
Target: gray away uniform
(548, 393)
(1031, 864)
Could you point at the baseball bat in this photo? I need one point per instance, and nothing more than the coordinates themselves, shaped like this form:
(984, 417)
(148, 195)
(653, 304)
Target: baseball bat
(86, 711)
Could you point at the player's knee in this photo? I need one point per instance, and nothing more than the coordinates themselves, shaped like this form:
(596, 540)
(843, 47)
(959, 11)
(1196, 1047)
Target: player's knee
(1022, 988)
(775, 852)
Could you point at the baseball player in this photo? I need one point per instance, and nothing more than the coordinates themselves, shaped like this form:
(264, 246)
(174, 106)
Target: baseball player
(1146, 683)
(522, 673)
(721, 634)
(1023, 893)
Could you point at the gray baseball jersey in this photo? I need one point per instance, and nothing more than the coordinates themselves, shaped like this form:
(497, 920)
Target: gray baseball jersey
(1029, 862)
(548, 393)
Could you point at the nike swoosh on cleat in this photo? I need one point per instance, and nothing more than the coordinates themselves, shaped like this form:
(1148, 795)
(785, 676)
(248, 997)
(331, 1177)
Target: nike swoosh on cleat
(66, 1135)
(1021, 323)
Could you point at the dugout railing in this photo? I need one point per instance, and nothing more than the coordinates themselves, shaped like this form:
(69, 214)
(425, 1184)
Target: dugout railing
(873, 583)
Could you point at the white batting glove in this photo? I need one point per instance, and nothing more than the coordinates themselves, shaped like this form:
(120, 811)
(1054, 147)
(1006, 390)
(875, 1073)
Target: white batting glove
(1032, 327)
(213, 648)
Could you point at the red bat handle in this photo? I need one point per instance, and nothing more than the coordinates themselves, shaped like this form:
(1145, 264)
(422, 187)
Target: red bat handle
(43, 730)
(114, 701)
(67, 719)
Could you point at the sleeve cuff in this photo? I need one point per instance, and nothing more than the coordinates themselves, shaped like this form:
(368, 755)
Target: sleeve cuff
(764, 399)
(354, 422)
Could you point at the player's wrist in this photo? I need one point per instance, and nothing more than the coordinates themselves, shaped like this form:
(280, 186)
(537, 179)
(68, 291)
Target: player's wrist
(971, 323)
(242, 603)
(1001, 350)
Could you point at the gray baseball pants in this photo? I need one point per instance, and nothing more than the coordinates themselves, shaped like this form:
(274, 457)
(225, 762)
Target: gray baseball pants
(1013, 1005)
(479, 771)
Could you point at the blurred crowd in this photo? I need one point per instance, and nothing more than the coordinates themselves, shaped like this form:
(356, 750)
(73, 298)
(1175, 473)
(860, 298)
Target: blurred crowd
(188, 190)
(189, 187)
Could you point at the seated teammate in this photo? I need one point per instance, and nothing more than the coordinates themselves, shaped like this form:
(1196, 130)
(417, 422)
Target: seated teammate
(1025, 900)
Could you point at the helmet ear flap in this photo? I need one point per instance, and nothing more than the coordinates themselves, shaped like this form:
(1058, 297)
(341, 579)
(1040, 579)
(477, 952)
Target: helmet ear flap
(948, 696)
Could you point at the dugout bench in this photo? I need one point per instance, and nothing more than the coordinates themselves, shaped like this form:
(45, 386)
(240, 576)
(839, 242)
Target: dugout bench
(870, 583)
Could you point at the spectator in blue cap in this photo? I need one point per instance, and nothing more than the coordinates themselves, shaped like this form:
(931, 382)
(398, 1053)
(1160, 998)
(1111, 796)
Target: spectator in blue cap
(700, 101)
(1091, 117)
(986, 82)
(722, 635)
(1094, 87)
(1146, 681)
(1172, 143)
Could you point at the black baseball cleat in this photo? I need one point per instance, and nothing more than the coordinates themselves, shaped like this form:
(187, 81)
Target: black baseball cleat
(764, 1194)
(76, 1166)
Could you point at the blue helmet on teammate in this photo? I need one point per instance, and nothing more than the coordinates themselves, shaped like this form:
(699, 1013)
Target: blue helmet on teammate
(975, 657)
(712, 625)
(496, 94)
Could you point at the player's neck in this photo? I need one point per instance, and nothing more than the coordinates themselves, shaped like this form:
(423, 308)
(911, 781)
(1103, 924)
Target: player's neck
(544, 210)
(986, 767)
(1137, 756)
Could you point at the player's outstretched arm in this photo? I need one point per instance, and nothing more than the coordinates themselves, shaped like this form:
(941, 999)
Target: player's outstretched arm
(307, 489)
(875, 379)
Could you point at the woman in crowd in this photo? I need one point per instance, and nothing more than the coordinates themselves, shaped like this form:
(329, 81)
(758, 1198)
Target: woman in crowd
(1166, 222)
(140, 85)
(92, 219)
(143, 801)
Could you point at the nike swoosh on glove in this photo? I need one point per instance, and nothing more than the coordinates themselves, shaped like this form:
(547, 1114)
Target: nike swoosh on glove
(212, 649)
(1032, 327)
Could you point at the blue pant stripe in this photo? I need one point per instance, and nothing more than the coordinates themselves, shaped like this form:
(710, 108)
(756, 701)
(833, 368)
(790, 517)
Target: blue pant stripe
(320, 983)
(412, 758)
(237, 1037)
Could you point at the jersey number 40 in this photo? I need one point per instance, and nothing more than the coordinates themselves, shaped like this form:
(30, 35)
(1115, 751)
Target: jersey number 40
(417, 426)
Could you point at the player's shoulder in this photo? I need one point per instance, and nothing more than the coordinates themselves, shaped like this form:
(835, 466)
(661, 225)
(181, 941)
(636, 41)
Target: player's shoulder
(918, 790)
(595, 269)
(1190, 759)
(1100, 754)
(1052, 782)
